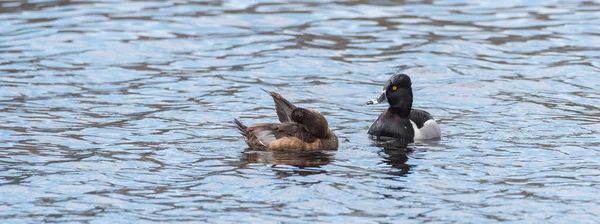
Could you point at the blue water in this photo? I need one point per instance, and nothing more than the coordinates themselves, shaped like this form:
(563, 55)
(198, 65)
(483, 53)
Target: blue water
(120, 111)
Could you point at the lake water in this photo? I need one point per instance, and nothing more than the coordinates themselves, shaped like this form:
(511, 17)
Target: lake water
(121, 111)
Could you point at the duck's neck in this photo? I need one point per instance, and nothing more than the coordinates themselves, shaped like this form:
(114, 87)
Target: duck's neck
(402, 111)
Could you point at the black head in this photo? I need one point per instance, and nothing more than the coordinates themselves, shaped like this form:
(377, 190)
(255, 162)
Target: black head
(397, 91)
(312, 119)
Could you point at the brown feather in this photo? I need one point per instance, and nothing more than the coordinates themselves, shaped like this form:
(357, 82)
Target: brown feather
(241, 127)
(283, 107)
(304, 129)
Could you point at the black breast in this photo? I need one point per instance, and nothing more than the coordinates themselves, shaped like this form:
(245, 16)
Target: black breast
(392, 125)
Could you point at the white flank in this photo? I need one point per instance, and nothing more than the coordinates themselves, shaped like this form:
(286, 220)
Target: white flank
(430, 130)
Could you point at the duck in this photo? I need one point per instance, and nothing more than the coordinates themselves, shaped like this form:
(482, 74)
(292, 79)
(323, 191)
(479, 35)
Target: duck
(299, 129)
(400, 120)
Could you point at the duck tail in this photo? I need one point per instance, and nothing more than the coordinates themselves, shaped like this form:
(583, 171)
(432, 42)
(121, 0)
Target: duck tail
(241, 127)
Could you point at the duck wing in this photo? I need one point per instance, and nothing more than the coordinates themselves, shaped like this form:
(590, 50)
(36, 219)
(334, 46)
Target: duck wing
(263, 134)
(283, 107)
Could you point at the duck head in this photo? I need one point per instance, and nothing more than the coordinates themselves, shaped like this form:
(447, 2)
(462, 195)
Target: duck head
(313, 120)
(397, 91)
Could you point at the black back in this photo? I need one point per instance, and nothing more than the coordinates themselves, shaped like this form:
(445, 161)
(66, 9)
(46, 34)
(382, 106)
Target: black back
(419, 117)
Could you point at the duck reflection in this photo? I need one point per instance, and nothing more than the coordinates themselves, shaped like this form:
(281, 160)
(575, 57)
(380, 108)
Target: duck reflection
(308, 162)
(397, 158)
(395, 153)
(295, 158)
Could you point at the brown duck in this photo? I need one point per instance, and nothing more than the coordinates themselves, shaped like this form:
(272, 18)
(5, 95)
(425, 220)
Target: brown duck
(300, 128)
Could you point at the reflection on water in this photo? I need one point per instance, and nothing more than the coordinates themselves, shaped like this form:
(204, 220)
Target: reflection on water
(396, 158)
(296, 158)
(120, 111)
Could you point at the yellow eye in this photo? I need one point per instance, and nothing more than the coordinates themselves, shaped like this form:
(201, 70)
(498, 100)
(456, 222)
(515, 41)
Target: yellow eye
(394, 88)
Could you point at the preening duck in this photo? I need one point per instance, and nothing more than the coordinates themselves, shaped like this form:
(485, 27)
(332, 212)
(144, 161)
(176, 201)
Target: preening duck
(300, 128)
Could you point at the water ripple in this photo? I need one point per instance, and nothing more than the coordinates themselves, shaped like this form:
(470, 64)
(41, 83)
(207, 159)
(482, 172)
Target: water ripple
(120, 111)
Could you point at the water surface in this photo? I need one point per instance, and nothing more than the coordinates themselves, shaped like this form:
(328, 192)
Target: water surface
(120, 111)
